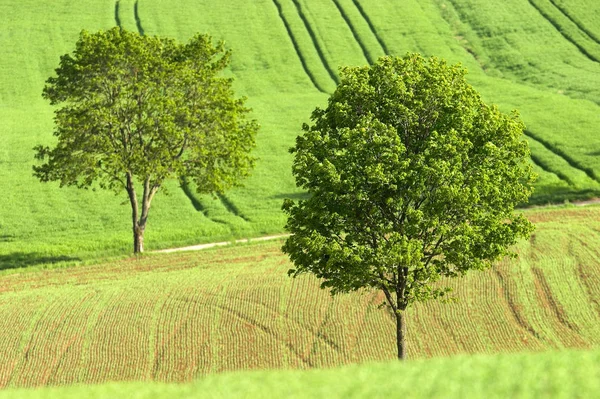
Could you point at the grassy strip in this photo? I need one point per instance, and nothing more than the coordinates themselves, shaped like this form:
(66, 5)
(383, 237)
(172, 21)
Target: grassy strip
(570, 160)
(524, 42)
(363, 47)
(564, 168)
(365, 16)
(585, 13)
(569, 374)
(571, 18)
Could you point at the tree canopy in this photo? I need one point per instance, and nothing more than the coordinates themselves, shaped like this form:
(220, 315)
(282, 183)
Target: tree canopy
(412, 178)
(136, 110)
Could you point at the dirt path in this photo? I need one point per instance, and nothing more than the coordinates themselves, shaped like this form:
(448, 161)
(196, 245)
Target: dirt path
(274, 237)
(218, 244)
(591, 201)
(587, 202)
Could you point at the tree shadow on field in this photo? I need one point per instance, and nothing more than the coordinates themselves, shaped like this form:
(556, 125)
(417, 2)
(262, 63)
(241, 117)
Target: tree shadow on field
(550, 196)
(18, 260)
(6, 238)
(292, 196)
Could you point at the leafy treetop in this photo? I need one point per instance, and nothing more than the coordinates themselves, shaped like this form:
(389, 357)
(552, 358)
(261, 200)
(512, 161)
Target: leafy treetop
(412, 177)
(139, 109)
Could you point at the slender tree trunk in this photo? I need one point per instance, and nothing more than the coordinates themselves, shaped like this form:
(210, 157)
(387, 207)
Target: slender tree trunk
(134, 214)
(401, 304)
(401, 334)
(138, 238)
(139, 221)
(397, 307)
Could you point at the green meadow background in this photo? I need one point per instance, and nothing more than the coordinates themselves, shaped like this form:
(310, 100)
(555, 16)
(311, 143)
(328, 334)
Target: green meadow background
(540, 57)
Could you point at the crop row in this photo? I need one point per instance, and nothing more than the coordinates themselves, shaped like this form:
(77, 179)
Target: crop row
(179, 316)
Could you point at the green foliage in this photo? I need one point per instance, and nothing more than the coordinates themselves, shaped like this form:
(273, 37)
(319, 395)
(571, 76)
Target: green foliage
(412, 178)
(144, 109)
(147, 106)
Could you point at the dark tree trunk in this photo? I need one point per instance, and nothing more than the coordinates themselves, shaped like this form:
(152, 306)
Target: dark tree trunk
(400, 334)
(398, 307)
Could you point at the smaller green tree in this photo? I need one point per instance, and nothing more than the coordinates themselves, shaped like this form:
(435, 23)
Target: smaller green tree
(411, 178)
(137, 110)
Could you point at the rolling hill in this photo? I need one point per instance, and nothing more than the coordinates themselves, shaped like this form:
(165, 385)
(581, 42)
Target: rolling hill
(538, 56)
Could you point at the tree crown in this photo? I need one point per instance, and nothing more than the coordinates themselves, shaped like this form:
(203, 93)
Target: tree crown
(411, 177)
(146, 107)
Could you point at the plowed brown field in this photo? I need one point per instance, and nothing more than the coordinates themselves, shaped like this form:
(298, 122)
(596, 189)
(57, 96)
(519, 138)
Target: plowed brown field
(179, 316)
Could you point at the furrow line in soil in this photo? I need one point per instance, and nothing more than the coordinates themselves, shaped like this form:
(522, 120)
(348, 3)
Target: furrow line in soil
(285, 316)
(572, 162)
(585, 281)
(156, 351)
(297, 48)
(560, 30)
(355, 34)
(320, 335)
(313, 37)
(516, 314)
(267, 330)
(554, 306)
(371, 26)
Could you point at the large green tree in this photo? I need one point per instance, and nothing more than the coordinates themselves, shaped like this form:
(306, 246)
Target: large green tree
(136, 110)
(412, 177)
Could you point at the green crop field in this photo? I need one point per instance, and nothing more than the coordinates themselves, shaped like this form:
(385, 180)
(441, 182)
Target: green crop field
(538, 56)
(176, 317)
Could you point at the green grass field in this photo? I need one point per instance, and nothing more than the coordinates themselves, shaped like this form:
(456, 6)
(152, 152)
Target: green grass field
(540, 57)
(180, 316)
(183, 316)
(567, 374)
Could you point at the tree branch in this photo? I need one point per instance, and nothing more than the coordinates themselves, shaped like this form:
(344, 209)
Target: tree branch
(433, 252)
(389, 298)
(183, 147)
(132, 197)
